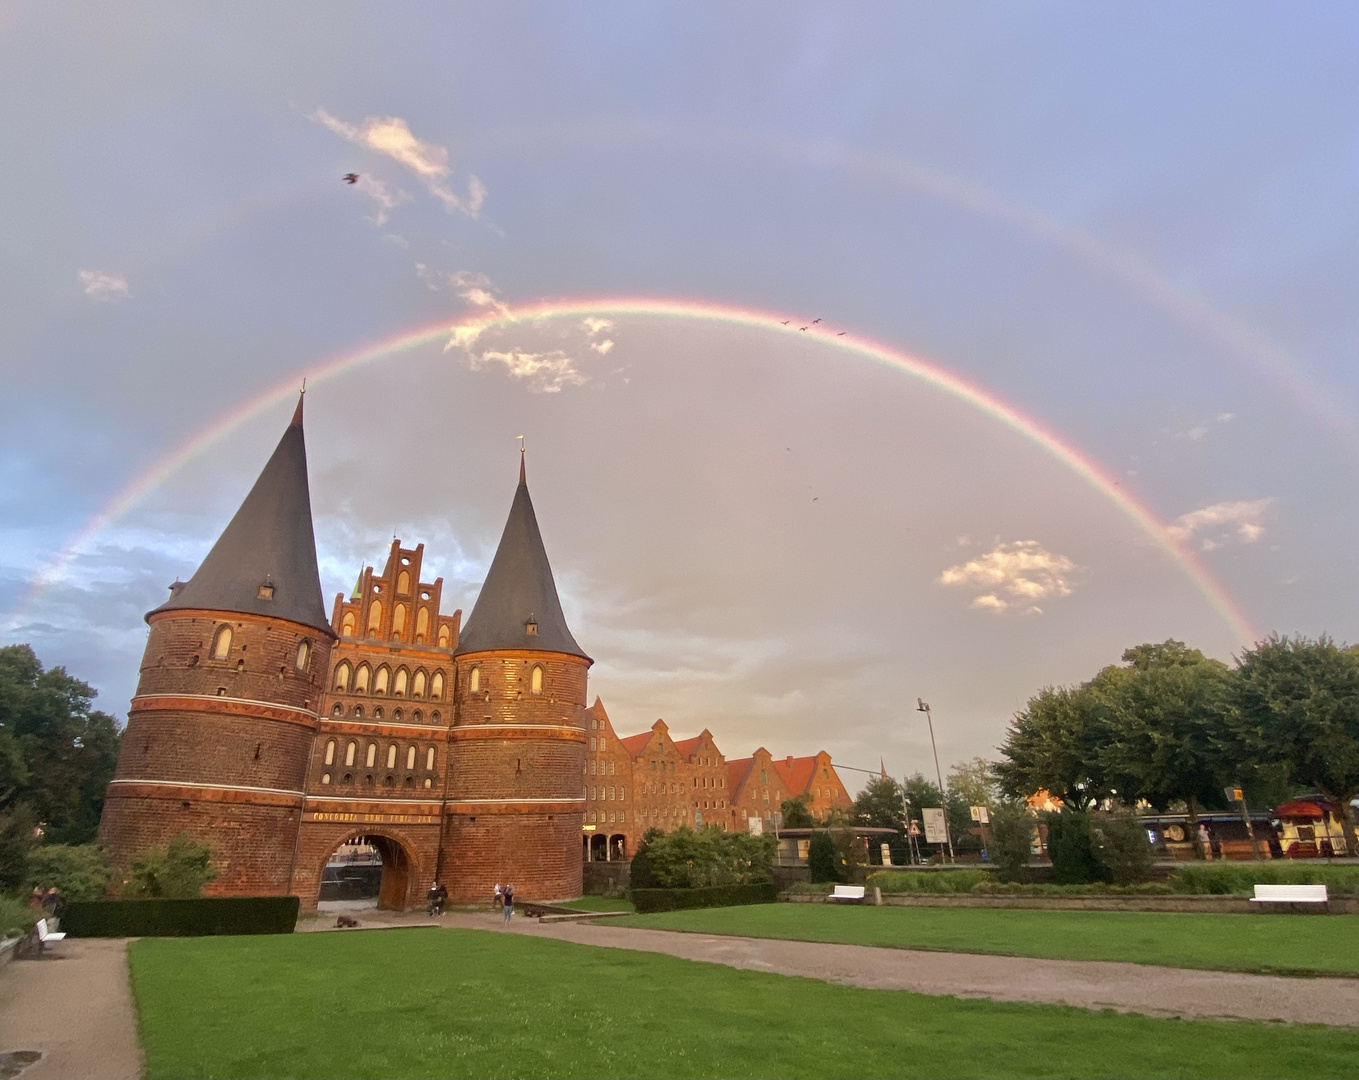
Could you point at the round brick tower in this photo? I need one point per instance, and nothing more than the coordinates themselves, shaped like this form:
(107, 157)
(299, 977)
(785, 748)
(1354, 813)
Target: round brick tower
(220, 731)
(517, 746)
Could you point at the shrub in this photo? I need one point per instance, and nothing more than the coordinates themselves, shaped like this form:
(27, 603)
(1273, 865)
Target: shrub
(1011, 839)
(927, 881)
(647, 900)
(795, 813)
(1230, 878)
(16, 845)
(821, 857)
(16, 917)
(695, 859)
(181, 918)
(77, 872)
(176, 872)
(1072, 849)
(1122, 847)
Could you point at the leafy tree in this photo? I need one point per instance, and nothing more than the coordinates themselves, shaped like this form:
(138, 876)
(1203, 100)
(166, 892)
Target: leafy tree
(16, 846)
(821, 858)
(1011, 839)
(879, 805)
(689, 859)
(1071, 846)
(921, 792)
(178, 871)
(1053, 743)
(1122, 847)
(76, 872)
(795, 813)
(640, 873)
(56, 753)
(1164, 716)
(975, 782)
(1294, 712)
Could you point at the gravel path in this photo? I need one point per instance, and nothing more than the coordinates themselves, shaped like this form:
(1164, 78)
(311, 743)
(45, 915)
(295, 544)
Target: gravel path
(1089, 984)
(75, 1006)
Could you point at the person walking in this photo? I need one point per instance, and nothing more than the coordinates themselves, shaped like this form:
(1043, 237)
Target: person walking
(497, 897)
(508, 900)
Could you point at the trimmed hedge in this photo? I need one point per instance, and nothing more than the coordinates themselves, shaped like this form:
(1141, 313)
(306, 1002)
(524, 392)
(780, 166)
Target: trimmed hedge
(648, 900)
(180, 918)
(1227, 878)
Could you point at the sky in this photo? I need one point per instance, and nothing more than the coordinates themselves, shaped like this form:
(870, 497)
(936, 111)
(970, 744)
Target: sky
(1078, 281)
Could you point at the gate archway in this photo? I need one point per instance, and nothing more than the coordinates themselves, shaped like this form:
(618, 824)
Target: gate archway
(386, 876)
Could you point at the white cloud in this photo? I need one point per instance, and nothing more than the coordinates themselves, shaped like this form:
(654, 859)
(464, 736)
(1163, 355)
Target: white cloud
(602, 347)
(1200, 431)
(1013, 576)
(545, 373)
(392, 136)
(101, 286)
(386, 200)
(1222, 522)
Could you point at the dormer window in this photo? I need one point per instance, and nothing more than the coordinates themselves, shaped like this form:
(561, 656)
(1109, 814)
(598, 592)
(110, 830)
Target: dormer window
(266, 592)
(531, 628)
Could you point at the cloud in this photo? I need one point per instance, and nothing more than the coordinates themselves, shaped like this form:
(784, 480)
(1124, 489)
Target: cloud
(1013, 576)
(101, 286)
(392, 136)
(386, 200)
(1199, 432)
(593, 328)
(545, 373)
(1221, 523)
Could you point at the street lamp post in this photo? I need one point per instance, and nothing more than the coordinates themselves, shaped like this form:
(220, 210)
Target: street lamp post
(922, 706)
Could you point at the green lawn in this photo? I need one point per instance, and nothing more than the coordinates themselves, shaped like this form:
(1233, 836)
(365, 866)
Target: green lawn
(600, 903)
(1297, 944)
(453, 1003)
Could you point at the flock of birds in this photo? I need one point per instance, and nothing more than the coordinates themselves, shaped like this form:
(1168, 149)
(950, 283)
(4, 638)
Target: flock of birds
(785, 322)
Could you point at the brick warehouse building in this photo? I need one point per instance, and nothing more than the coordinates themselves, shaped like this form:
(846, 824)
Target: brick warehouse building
(462, 753)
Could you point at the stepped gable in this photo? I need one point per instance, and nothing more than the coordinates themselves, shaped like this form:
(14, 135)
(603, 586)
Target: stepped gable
(264, 563)
(518, 606)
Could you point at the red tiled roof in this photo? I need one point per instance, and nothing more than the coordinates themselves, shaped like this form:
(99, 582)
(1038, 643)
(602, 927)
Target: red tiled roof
(635, 744)
(688, 746)
(736, 775)
(796, 773)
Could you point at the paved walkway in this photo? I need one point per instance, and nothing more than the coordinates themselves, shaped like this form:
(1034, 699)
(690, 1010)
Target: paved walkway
(75, 1006)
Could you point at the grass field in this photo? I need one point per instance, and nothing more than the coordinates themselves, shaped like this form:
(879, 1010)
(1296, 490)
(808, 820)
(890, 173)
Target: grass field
(600, 903)
(454, 1003)
(1296, 944)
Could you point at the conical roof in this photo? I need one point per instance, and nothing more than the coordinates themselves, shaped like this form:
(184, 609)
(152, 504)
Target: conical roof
(264, 563)
(518, 591)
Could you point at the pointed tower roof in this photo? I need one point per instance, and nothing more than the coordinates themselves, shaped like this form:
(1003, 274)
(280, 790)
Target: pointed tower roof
(519, 592)
(264, 563)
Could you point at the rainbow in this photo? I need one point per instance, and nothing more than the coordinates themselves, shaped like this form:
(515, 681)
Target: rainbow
(474, 324)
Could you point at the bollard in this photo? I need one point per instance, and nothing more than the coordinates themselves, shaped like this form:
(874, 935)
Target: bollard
(877, 896)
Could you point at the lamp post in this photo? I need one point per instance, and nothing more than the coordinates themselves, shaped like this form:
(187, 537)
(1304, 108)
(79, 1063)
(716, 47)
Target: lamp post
(922, 706)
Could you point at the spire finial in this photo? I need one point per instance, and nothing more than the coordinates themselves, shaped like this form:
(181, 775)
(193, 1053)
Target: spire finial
(521, 458)
(297, 413)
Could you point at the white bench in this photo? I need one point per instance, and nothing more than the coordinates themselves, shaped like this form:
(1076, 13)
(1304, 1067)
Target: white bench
(1289, 894)
(46, 937)
(847, 892)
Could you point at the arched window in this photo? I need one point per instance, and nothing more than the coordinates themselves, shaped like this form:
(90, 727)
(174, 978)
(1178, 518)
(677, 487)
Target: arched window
(474, 681)
(361, 679)
(398, 620)
(410, 757)
(381, 680)
(325, 778)
(429, 760)
(396, 715)
(349, 754)
(371, 759)
(377, 713)
(421, 624)
(434, 717)
(330, 752)
(418, 685)
(418, 716)
(374, 618)
(221, 642)
(399, 688)
(347, 626)
(429, 781)
(303, 654)
(445, 636)
(338, 710)
(391, 756)
(403, 583)
(358, 712)
(436, 686)
(536, 680)
(342, 676)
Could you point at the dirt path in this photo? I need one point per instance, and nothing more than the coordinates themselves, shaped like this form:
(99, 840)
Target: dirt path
(1141, 988)
(76, 1007)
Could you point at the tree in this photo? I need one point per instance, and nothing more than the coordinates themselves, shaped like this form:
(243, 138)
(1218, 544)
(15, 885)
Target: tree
(821, 857)
(975, 782)
(16, 846)
(1122, 846)
(795, 813)
(178, 871)
(879, 805)
(1071, 845)
(1294, 711)
(56, 754)
(77, 873)
(1163, 721)
(1011, 839)
(690, 859)
(1053, 744)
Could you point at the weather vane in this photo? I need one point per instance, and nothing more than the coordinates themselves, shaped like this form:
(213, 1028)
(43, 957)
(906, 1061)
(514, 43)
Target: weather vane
(521, 443)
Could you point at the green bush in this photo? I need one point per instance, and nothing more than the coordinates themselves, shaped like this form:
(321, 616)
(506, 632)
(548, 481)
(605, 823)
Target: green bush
(177, 871)
(648, 900)
(927, 881)
(1098, 888)
(16, 917)
(694, 859)
(77, 872)
(1011, 839)
(1222, 879)
(1071, 846)
(180, 918)
(821, 858)
(1122, 847)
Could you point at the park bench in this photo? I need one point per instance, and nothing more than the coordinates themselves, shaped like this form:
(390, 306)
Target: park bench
(1289, 894)
(847, 892)
(46, 937)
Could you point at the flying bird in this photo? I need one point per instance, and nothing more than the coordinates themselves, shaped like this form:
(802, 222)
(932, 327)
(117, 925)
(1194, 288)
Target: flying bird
(840, 334)
(785, 322)
(351, 178)
(802, 328)
(815, 321)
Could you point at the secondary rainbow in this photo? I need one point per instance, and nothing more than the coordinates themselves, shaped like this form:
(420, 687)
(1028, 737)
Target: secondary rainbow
(478, 322)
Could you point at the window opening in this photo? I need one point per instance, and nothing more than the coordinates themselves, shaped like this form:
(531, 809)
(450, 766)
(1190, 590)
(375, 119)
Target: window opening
(221, 643)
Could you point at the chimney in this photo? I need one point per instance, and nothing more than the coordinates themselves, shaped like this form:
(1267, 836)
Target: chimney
(790, 761)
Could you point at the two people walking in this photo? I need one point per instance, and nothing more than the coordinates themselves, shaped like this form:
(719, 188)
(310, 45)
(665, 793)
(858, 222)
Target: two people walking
(504, 899)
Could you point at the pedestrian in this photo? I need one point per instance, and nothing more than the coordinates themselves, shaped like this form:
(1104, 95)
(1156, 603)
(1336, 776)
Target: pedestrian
(51, 902)
(1205, 842)
(36, 900)
(498, 897)
(443, 896)
(508, 900)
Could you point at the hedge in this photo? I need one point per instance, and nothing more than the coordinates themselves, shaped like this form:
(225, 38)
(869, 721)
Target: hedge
(646, 900)
(1223, 878)
(180, 918)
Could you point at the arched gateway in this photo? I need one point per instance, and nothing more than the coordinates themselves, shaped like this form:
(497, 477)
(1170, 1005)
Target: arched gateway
(275, 736)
